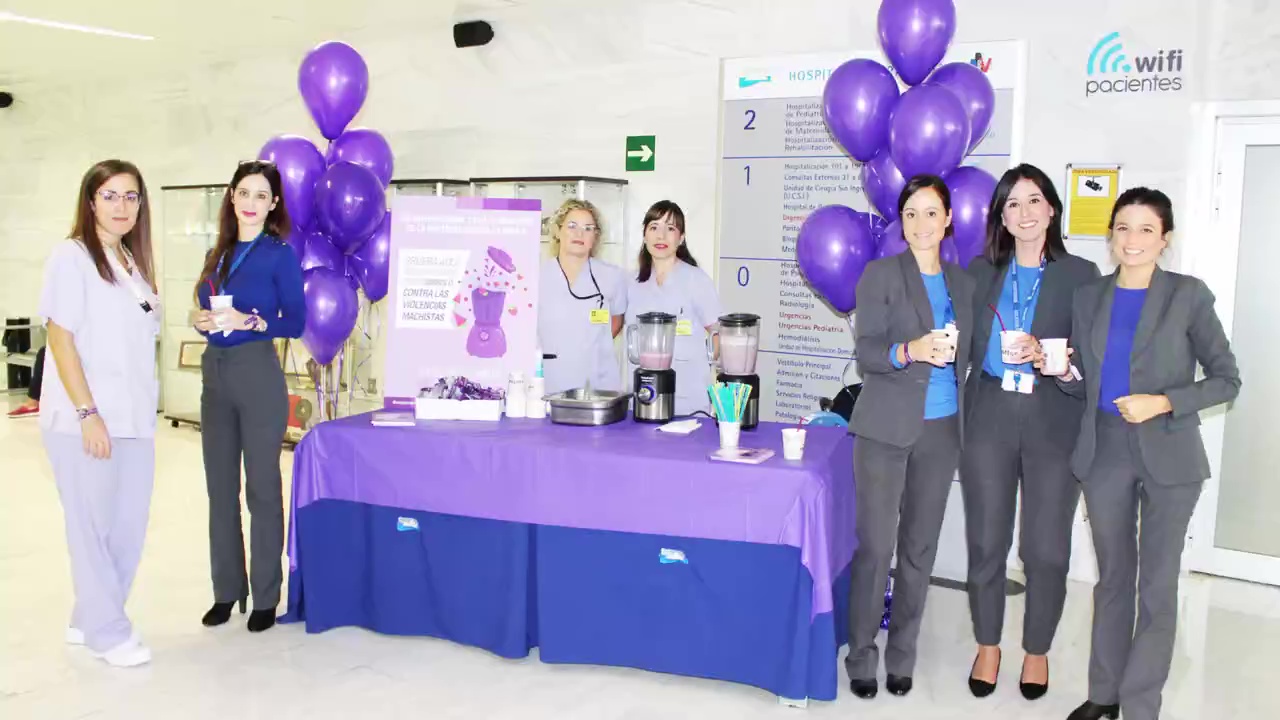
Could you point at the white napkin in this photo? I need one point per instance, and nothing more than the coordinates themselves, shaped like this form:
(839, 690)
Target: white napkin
(681, 427)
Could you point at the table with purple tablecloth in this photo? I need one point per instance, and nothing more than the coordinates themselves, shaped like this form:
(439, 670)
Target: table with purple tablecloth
(614, 545)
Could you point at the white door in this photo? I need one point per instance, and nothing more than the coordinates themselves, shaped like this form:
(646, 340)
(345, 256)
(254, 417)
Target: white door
(1236, 534)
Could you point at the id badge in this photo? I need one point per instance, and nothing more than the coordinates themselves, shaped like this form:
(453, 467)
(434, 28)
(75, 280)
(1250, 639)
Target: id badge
(600, 316)
(684, 327)
(1015, 381)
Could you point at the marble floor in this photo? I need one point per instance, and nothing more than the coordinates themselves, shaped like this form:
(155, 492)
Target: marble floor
(1228, 652)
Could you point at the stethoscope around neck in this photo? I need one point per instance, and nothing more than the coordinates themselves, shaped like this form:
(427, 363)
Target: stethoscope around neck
(598, 296)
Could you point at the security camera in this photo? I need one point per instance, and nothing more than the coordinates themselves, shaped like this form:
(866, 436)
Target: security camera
(5, 100)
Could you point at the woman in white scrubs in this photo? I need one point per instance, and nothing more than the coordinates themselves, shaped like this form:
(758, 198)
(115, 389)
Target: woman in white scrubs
(670, 281)
(581, 305)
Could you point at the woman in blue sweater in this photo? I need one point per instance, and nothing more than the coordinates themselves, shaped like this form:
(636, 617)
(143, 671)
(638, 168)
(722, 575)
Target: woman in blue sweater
(249, 293)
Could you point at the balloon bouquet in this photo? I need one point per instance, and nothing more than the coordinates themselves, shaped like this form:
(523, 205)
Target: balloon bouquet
(337, 203)
(930, 128)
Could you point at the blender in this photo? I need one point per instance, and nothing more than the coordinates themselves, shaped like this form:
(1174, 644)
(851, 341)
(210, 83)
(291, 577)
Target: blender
(651, 346)
(739, 335)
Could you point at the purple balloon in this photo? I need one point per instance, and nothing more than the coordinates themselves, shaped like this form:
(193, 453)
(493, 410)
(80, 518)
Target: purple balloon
(366, 147)
(948, 252)
(975, 92)
(297, 240)
(300, 165)
(332, 307)
(334, 82)
(891, 241)
(370, 264)
(317, 251)
(834, 245)
(971, 190)
(857, 103)
(882, 182)
(915, 35)
(878, 224)
(350, 202)
(929, 132)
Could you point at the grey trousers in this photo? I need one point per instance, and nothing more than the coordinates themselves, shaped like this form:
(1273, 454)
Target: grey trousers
(1006, 445)
(1129, 663)
(105, 505)
(244, 410)
(901, 493)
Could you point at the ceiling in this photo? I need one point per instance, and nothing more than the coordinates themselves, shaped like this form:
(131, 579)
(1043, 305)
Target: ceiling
(193, 33)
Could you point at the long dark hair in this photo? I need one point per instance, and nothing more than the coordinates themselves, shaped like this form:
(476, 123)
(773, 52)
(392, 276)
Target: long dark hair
(929, 182)
(277, 223)
(658, 211)
(85, 226)
(1000, 242)
(1159, 203)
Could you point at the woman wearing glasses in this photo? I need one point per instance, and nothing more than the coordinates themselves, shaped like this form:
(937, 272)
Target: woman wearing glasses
(249, 293)
(99, 400)
(582, 304)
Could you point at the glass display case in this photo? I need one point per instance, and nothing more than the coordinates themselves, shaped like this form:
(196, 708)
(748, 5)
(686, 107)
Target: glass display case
(608, 195)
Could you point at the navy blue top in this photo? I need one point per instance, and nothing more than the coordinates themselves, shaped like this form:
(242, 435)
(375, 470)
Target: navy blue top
(266, 283)
(1114, 383)
(1021, 320)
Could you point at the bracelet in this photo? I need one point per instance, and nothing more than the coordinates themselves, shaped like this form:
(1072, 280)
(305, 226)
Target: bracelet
(906, 352)
(85, 413)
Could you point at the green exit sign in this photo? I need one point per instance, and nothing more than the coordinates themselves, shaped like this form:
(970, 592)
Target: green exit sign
(641, 152)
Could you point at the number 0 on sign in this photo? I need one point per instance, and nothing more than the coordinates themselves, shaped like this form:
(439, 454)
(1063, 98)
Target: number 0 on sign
(642, 153)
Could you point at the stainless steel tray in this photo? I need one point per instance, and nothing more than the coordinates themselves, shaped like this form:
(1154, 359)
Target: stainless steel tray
(588, 407)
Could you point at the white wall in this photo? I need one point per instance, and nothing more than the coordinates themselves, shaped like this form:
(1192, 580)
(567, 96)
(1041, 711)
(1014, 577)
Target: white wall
(564, 82)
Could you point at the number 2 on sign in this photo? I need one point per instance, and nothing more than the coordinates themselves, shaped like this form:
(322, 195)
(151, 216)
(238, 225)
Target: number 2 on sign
(751, 119)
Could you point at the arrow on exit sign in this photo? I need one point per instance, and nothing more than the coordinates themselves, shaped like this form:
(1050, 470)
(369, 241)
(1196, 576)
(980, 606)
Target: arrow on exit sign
(641, 153)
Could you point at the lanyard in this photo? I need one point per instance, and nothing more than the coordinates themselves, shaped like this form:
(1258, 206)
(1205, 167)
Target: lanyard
(598, 296)
(235, 264)
(129, 280)
(1020, 315)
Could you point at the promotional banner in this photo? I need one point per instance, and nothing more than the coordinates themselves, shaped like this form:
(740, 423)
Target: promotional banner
(463, 292)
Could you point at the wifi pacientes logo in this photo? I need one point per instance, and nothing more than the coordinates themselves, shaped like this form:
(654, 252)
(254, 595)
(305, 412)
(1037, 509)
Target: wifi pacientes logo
(1145, 73)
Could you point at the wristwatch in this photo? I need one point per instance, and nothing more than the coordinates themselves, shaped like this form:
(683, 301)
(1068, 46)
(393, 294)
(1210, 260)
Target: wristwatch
(85, 412)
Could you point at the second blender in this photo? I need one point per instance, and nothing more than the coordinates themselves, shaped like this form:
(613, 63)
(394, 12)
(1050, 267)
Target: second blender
(739, 336)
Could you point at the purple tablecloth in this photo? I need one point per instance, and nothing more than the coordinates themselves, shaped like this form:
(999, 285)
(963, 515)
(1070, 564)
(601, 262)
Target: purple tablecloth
(625, 477)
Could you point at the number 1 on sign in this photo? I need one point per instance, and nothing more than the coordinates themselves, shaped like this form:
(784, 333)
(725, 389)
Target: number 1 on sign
(748, 169)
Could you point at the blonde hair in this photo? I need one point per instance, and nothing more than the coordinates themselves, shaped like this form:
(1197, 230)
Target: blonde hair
(557, 222)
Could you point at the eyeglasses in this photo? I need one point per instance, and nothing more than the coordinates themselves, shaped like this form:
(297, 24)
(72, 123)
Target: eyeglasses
(575, 227)
(110, 196)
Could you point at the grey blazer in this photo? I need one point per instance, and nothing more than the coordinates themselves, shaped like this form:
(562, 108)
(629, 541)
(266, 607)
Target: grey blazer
(1177, 329)
(1058, 413)
(893, 307)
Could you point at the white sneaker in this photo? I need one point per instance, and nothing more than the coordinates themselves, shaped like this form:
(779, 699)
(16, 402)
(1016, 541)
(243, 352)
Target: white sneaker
(75, 636)
(129, 653)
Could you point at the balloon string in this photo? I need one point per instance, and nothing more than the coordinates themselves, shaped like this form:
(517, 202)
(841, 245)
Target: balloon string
(853, 354)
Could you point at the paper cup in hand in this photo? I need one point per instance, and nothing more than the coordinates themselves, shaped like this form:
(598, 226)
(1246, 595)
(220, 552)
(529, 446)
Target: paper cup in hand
(1055, 356)
(1011, 345)
(218, 303)
(793, 443)
(947, 345)
(729, 433)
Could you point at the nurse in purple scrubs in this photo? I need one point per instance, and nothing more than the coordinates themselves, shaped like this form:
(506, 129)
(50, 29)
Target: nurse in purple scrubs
(581, 305)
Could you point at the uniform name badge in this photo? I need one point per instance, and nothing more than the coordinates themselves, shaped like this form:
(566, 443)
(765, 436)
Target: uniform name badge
(1017, 381)
(600, 316)
(684, 327)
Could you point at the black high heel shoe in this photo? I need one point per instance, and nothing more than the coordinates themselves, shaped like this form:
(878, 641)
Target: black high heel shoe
(898, 685)
(865, 689)
(1093, 711)
(221, 612)
(260, 620)
(1035, 691)
(982, 688)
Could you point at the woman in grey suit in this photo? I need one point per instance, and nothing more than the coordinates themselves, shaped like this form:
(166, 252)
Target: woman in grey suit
(1021, 428)
(1139, 334)
(915, 318)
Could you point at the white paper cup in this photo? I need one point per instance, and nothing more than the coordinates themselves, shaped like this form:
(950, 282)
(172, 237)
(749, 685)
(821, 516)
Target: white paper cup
(729, 433)
(793, 443)
(1055, 356)
(1010, 340)
(948, 346)
(218, 303)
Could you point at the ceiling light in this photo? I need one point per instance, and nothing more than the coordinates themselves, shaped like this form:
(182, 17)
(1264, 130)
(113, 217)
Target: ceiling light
(11, 17)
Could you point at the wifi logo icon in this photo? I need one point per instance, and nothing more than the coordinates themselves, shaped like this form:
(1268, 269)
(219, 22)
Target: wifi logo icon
(1108, 56)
